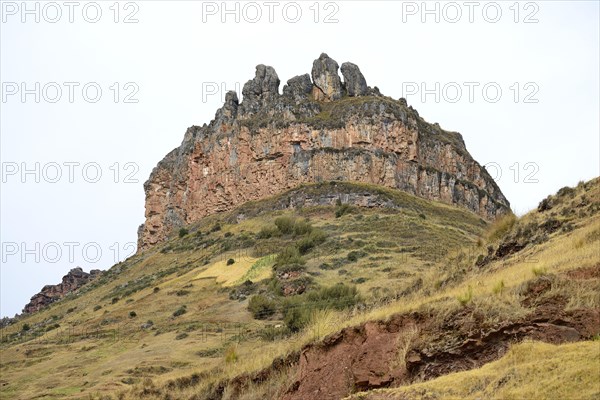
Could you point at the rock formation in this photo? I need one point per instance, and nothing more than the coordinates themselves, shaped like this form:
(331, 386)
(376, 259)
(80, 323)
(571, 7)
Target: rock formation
(317, 130)
(355, 82)
(74, 279)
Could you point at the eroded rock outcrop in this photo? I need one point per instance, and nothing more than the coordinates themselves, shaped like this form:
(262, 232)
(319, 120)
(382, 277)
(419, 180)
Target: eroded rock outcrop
(319, 130)
(355, 82)
(328, 85)
(72, 281)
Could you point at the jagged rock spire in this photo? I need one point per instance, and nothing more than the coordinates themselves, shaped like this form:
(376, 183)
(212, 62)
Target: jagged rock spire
(298, 88)
(326, 79)
(355, 82)
(265, 84)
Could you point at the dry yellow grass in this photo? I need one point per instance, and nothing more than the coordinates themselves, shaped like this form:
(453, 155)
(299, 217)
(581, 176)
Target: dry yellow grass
(228, 275)
(97, 367)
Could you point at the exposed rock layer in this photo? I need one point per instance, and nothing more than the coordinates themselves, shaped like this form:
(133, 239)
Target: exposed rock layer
(315, 131)
(72, 281)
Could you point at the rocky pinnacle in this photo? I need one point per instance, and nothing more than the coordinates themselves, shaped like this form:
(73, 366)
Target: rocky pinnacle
(319, 128)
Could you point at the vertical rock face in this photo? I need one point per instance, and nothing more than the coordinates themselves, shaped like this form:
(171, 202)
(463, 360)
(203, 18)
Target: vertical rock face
(315, 131)
(51, 293)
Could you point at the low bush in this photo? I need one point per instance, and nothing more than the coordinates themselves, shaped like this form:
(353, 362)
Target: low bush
(180, 311)
(298, 309)
(302, 227)
(289, 255)
(268, 232)
(341, 210)
(261, 307)
(315, 238)
(183, 232)
(355, 255)
(285, 225)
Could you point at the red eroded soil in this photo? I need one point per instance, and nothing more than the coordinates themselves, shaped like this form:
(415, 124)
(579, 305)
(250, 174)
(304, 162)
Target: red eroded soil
(371, 355)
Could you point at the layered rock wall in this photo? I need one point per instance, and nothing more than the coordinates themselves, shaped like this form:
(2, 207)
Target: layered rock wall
(317, 130)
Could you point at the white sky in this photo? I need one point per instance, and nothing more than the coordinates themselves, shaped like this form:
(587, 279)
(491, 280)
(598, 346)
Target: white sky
(171, 53)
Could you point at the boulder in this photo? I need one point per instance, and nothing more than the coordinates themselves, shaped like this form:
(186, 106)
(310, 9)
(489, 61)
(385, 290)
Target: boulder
(355, 82)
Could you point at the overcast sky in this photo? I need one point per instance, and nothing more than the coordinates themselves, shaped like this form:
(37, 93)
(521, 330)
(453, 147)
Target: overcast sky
(519, 82)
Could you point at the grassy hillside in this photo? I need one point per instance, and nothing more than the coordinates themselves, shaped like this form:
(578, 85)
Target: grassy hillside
(438, 264)
(182, 307)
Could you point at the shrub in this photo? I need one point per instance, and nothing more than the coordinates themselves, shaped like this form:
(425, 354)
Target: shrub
(180, 336)
(25, 327)
(297, 310)
(315, 238)
(268, 232)
(285, 225)
(261, 307)
(183, 232)
(182, 292)
(97, 307)
(566, 191)
(228, 234)
(180, 311)
(339, 296)
(355, 255)
(216, 227)
(114, 300)
(302, 227)
(341, 210)
(132, 314)
(296, 318)
(156, 289)
(231, 261)
(289, 255)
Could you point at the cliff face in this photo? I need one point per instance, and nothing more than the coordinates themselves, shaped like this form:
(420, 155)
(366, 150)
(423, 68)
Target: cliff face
(319, 129)
(74, 279)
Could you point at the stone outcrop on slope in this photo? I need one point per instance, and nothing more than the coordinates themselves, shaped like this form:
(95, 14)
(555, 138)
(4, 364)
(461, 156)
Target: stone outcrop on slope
(316, 130)
(72, 281)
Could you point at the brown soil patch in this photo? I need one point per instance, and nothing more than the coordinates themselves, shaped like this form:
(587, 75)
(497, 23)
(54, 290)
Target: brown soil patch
(585, 273)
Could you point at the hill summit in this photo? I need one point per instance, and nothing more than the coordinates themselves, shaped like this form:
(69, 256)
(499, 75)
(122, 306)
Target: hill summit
(319, 129)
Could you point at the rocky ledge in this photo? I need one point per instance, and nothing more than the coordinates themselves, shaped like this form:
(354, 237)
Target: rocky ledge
(319, 129)
(72, 281)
